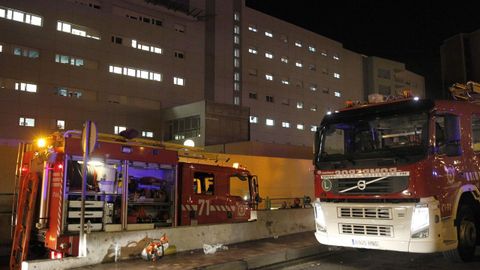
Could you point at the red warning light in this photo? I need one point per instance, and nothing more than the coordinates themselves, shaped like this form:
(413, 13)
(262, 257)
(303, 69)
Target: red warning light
(25, 168)
(59, 166)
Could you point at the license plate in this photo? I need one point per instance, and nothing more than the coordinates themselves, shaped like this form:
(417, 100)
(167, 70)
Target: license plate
(364, 243)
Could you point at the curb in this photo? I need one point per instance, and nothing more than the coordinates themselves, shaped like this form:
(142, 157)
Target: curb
(286, 255)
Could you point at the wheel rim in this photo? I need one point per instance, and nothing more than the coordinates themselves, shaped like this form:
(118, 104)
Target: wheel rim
(468, 233)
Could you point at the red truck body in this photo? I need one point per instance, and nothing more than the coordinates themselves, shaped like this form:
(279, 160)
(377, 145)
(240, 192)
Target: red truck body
(412, 183)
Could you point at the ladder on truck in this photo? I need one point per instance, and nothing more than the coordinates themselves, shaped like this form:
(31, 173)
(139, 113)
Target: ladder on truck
(469, 91)
(24, 217)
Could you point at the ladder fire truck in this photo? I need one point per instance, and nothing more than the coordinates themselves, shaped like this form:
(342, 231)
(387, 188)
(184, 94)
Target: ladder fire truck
(401, 175)
(132, 184)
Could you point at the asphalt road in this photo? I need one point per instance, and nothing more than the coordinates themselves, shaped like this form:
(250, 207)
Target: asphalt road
(351, 259)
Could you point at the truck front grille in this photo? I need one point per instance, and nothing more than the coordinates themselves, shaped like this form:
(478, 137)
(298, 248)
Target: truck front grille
(365, 212)
(366, 230)
(353, 186)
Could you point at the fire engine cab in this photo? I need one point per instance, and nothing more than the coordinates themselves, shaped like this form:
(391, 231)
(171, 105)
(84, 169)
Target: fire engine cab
(401, 175)
(132, 184)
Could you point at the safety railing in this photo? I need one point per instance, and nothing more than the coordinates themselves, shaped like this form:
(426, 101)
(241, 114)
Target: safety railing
(274, 203)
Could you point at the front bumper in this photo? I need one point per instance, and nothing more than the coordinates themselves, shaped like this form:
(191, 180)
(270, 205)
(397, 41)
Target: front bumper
(380, 226)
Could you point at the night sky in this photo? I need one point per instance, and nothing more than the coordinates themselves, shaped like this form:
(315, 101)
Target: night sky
(406, 31)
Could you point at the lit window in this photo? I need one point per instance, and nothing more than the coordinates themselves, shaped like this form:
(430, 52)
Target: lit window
(26, 52)
(179, 81)
(313, 87)
(236, 39)
(285, 81)
(236, 76)
(323, 53)
(236, 100)
(236, 62)
(26, 122)
(20, 16)
(26, 87)
(252, 28)
(252, 50)
(236, 86)
(335, 57)
(236, 52)
(284, 60)
(1, 48)
(118, 129)
(60, 124)
(253, 119)
(268, 34)
(311, 49)
(269, 122)
(66, 92)
(313, 128)
(269, 55)
(269, 77)
(139, 73)
(236, 16)
(285, 124)
(236, 29)
(298, 64)
(77, 30)
(147, 134)
(338, 94)
(300, 126)
(313, 108)
(146, 47)
(336, 75)
(298, 44)
(299, 104)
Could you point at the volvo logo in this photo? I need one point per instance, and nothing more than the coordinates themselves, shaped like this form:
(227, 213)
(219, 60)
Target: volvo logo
(361, 184)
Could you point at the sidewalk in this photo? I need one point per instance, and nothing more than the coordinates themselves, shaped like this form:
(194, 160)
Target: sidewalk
(247, 255)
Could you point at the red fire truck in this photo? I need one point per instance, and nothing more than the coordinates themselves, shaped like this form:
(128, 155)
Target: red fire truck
(131, 185)
(401, 175)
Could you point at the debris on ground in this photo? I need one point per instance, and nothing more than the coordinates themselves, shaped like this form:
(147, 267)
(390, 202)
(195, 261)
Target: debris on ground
(211, 249)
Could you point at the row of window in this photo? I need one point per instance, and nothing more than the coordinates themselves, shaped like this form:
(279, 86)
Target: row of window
(298, 63)
(143, 74)
(286, 101)
(271, 122)
(297, 43)
(236, 58)
(118, 129)
(60, 124)
(20, 16)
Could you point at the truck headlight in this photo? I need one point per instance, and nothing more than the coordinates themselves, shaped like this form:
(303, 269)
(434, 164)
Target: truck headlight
(420, 221)
(320, 218)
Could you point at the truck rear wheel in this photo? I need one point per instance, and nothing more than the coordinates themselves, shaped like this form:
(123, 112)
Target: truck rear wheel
(466, 235)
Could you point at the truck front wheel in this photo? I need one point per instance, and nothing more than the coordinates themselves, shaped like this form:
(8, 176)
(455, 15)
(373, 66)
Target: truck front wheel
(466, 235)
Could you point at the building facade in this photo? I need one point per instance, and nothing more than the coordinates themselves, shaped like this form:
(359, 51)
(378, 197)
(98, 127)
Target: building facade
(460, 59)
(388, 77)
(216, 72)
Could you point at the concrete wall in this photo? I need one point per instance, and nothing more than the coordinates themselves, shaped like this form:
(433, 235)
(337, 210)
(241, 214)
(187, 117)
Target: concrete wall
(101, 245)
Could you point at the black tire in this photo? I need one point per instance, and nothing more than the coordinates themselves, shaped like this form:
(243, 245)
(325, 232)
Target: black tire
(467, 236)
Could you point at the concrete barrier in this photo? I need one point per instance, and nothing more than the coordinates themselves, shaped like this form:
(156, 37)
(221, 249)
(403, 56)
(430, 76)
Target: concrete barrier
(101, 246)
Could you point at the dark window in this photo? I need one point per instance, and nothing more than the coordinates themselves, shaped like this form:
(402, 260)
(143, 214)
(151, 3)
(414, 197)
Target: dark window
(252, 95)
(269, 98)
(476, 132)
(179, 55)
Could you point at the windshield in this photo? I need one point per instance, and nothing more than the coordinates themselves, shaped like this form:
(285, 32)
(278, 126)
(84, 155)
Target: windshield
(396, 136)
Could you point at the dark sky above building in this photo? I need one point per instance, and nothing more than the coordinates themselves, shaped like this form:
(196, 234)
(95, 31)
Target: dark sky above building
(408, 31)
